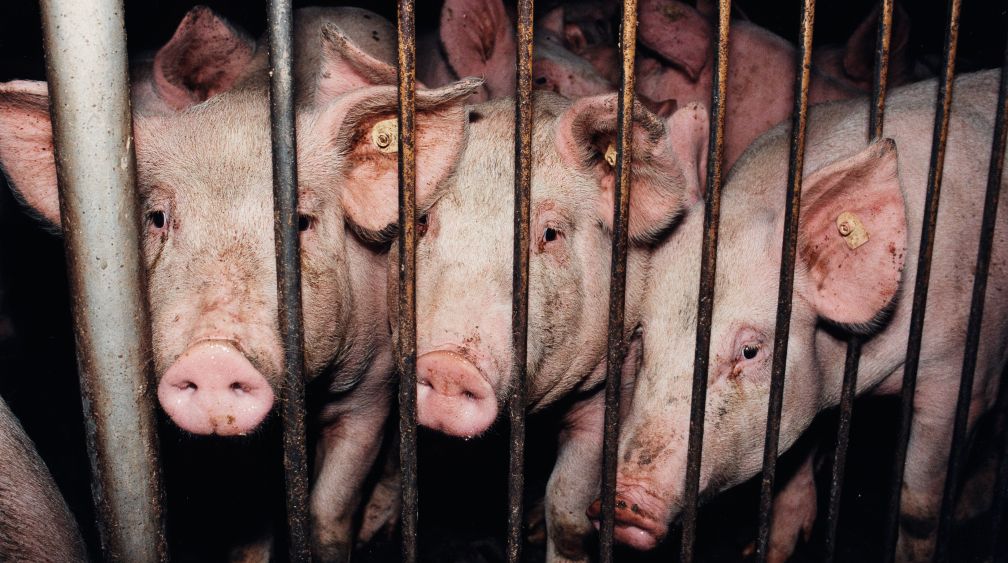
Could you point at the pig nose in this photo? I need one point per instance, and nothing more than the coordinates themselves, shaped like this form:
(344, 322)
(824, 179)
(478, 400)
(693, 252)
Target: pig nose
(634, 526)
(453, 396)
(213, 389)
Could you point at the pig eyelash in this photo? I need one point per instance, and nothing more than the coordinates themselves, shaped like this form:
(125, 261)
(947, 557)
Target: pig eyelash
(749, 351)
(305, 222)
(157, 220)
(551, 234)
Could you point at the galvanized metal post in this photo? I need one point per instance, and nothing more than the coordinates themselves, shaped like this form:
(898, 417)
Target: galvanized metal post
(85, 43)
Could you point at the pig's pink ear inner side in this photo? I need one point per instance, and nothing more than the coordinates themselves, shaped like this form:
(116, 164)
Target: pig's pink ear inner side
(852, 236)
(345, 66)
(677, 32)
(478, 40)
(205, 57)
(26, 147)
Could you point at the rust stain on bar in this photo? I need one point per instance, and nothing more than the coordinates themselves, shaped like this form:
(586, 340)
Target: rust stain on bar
(406, 306)
(616, 345)
(288, 259)
(796, 163)
(917, 314)
(85, 46)
(876, 118)
(708, 269)
(988, 223)
(520, 279)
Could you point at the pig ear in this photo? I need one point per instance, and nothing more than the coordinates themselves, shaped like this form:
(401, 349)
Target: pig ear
(206, 56)
(367, 138)
(859, 52)
(677, 32)
(852, 236)
(478, 41)
(667, 159)
(26, 147)
(345, 67)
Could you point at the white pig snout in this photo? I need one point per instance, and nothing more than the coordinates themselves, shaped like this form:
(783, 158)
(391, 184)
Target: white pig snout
(212, 388)
(453, 395)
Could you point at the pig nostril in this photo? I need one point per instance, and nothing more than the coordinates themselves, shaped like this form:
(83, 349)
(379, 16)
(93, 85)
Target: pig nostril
(423, 381)
(187, 386)
(469, 396)
(237, 387)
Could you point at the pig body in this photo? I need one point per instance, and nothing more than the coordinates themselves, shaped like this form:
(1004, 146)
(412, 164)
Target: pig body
(866, 288)
(35, 523)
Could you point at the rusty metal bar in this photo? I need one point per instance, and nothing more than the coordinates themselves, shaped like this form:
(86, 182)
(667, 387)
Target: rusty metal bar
(288, 262)
(85, 45)
(923, 276)
(988, 224)
(406, 306)
(708, 269)
(520, 279)
(796, 164)
(876, 117)
(616, 344)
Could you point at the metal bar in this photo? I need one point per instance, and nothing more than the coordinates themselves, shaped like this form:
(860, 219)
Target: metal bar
(708, 269)
(520, 279)
(85, 44)
(796, 164)
(616, 345)
(406, 306)
(876, 118)
(998, 544)
(847, 393)
(288, 263)
(988, 223)
(922, 277)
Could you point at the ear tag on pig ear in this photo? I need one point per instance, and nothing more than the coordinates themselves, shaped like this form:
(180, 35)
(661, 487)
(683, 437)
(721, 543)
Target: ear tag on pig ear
(385, 135)
(852, 230)
(610, 155)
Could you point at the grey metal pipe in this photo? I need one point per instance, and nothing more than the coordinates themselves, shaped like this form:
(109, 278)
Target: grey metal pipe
(85, 43)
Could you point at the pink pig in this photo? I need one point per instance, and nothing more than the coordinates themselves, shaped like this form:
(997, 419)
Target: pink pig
(205, 182)
(858, 242)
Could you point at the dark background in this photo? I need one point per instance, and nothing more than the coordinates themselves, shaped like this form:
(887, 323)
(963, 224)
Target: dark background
(215, 488)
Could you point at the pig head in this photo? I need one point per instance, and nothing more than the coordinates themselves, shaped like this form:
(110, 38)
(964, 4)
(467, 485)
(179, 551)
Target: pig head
(464, 254)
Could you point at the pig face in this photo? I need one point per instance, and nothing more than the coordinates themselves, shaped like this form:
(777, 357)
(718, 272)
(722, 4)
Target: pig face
(464, 254)
(838, 281)
(208, 236)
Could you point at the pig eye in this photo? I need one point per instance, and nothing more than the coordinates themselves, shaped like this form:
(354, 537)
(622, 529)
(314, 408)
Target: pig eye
(305, 222)
(550, 234)
(749, 351)
(540, 81)
(157, 219)
(421, 225)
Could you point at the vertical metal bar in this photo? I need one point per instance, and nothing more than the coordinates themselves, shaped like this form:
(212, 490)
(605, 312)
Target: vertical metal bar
(288, 261)
(988, 223)
(85, 44)
(796, 164)
(876, 118)
(520, 278)
(616, 346)
(708, 269)
(923, 275)
(406, 307)
(1000, 500)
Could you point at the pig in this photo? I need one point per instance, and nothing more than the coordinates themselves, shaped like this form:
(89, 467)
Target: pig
(207, 224)
(477, 38)
(861, 212)
(463, 280)
(35, 522)
(205, 56)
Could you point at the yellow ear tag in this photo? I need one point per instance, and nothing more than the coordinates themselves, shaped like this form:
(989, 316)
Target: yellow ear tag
(385, 135)
(852, 229)
(610, 155)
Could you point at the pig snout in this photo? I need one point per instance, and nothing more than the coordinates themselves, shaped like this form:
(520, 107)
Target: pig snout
(636, 522)
(213, 389)
(453, 395)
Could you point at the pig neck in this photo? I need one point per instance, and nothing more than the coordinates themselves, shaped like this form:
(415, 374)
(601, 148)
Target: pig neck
(366, 342)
